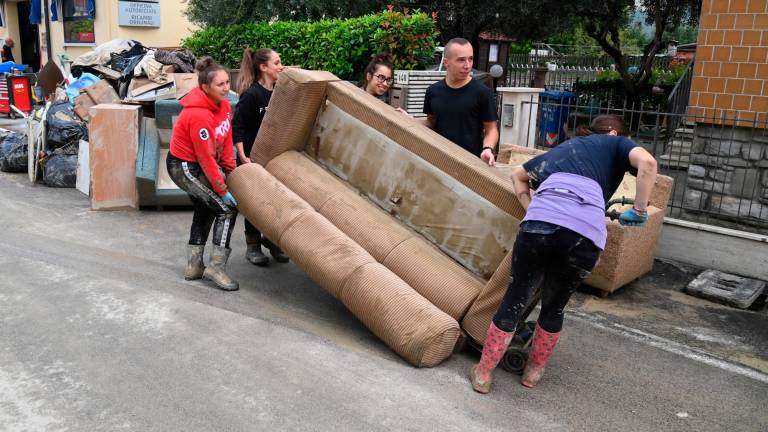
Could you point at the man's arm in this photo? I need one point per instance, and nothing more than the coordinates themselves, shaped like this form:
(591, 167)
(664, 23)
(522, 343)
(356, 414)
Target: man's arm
(646, 176)
(490, 139)
(429, 121)
(520, 185)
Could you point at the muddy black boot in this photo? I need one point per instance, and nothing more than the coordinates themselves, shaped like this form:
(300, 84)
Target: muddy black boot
(195, 265)
(216, 269)
(277, 253)
(253, 253)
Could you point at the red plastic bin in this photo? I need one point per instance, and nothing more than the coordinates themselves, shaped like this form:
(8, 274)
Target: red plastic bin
(15, 90)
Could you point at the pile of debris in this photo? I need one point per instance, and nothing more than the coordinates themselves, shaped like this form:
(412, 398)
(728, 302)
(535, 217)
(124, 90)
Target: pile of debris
(116, 72)
(137, 73)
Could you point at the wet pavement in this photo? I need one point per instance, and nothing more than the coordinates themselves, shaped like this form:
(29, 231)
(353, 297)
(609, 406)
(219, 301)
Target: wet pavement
(99, 332)
(657, 305)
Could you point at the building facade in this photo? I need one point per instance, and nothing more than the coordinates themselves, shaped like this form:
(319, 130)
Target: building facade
(45, 29)
(728, 175)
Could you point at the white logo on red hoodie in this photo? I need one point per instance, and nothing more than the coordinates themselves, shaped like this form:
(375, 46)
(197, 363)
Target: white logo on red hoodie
(223, 127)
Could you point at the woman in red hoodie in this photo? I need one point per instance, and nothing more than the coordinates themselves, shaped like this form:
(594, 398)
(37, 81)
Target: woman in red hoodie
(200, 158)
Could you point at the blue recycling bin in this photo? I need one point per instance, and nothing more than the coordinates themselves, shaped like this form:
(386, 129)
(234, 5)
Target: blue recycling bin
(554, 108)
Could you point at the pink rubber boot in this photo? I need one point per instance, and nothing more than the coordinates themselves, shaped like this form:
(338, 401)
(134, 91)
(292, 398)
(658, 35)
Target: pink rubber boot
(543, 344)
(496, 343)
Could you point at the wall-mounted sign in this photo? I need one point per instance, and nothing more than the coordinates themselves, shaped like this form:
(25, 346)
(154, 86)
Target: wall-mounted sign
(139, 13)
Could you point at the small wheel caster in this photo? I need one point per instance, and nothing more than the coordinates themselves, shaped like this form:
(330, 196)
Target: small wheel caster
(514, 360)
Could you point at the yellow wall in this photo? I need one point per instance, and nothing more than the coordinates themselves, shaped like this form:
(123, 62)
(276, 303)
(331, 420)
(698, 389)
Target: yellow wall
(11, 27)
(174, 26)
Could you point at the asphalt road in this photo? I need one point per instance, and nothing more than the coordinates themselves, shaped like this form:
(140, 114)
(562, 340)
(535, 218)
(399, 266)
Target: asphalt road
(99, 332)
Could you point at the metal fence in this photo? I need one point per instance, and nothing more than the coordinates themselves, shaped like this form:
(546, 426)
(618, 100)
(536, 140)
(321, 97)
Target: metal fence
(677, 102)
(588, 61)
(561, 78)
(719, 164)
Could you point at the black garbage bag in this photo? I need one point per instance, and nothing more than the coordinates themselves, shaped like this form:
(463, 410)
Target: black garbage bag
(60, 170)
(64, 126)
(13, 152)
(122, 61)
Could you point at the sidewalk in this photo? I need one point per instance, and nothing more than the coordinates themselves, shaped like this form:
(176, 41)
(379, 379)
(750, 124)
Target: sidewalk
(657, 305)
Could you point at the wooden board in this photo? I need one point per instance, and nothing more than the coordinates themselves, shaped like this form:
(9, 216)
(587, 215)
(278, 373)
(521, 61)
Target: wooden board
(114, 136)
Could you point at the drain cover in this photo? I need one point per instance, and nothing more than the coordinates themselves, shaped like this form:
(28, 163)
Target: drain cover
(726, 288)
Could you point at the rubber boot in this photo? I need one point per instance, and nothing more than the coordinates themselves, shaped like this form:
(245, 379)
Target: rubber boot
(541, 349)
(277, 254)
(496, 343)
(195, 265)
(253, 252)
(215, 271)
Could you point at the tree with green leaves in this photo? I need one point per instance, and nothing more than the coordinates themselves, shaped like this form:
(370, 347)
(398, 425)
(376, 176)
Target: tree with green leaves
(604, 20)
(226, 12)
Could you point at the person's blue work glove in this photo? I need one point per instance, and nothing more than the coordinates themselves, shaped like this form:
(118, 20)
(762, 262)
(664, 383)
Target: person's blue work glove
(229, 199)
(633, 217)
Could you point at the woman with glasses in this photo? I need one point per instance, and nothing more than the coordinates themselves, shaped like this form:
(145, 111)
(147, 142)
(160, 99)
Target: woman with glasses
(378, 76)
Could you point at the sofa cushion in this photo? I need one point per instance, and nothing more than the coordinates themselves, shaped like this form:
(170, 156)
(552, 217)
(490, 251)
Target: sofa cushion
(407, 322)
(404, 320)
(268, 201)
(435, 276)
(369, 226)
(325, 253)
(414, 259)
(420, 264)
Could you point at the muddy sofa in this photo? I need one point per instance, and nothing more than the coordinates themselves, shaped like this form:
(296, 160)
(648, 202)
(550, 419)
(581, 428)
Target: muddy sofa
(410, 232)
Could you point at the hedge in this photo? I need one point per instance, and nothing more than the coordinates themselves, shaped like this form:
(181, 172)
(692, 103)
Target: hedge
(342, 47)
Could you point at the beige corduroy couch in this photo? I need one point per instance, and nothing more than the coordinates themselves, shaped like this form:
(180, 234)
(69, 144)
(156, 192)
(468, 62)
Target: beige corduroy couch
(412, 233)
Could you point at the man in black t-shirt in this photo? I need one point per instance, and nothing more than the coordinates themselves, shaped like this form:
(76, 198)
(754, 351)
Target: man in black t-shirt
(462, 109)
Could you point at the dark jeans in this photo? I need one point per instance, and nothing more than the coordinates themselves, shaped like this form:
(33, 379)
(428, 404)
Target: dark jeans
(210, 209)
(549, 257)
(252, 234)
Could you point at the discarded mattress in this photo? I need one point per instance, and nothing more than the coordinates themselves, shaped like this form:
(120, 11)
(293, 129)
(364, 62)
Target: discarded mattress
(412, 233)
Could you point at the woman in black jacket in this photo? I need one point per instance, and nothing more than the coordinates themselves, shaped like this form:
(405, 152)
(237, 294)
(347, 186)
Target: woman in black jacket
(258, 74)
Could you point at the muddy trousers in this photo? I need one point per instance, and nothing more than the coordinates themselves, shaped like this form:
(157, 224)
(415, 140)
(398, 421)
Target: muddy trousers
(553, 258)
(209, 208)
(252, 234)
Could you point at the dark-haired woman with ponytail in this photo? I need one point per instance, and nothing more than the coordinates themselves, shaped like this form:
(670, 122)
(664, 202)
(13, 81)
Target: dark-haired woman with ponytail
(199, 160)
(258, 74)
(562, 234)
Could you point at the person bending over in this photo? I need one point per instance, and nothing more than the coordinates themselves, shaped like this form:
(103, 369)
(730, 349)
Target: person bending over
(562, 234)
